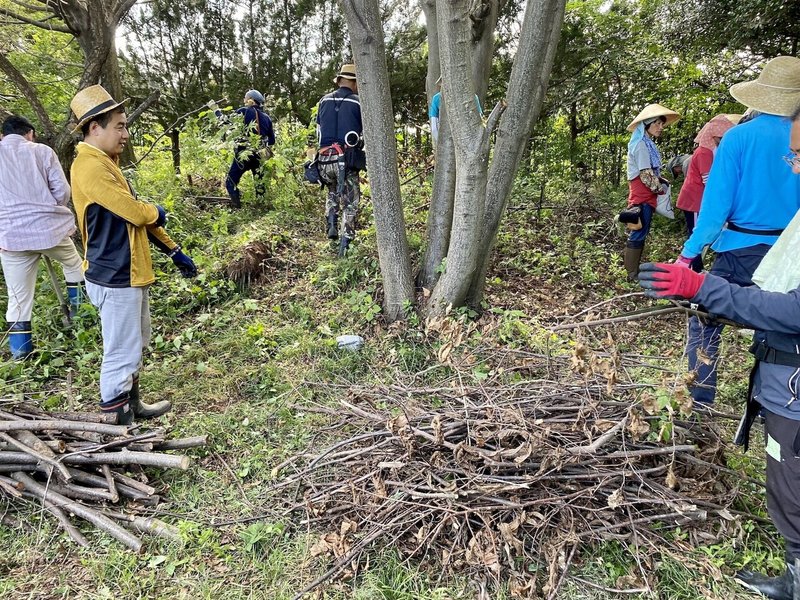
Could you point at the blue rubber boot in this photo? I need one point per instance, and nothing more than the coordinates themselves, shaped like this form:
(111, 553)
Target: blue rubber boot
(20, 339)
(76, 296)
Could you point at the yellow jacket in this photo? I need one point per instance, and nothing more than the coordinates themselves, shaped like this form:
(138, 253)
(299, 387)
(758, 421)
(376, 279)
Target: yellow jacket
(116, 227)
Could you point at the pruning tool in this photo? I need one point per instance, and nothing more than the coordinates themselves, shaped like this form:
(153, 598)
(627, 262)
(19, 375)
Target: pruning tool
(66, 318)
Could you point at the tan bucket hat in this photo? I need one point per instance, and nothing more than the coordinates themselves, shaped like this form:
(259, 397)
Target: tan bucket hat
(776, 91)
(348, 71)
(90, 102)
(654, 110)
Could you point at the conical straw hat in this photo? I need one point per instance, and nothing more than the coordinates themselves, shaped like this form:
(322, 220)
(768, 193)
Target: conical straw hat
(91, 102)
(654, 110)
(776, 91)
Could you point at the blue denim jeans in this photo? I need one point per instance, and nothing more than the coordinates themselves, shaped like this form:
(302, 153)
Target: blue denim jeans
(636, 238)
(736, 266)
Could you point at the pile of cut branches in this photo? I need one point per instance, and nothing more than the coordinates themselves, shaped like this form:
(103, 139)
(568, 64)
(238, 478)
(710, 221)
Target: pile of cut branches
(74, 463)
(491, 480)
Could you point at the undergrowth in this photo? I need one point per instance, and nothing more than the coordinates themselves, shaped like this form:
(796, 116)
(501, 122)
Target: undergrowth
(246, 364)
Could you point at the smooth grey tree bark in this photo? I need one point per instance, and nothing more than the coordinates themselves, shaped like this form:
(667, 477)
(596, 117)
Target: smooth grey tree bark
(440, 211)
(471, 142)
(483, 16)
(533, 62)
(483, 19)
(369, 54)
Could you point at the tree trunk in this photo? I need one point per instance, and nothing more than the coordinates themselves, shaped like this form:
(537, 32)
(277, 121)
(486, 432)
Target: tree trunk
(471, 141)
(175, 138)
(541, 29)
(440, 211)
(367, 40)
(484, 20)
(434, 65)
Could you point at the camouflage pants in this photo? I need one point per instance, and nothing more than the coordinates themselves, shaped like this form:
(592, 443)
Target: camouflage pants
(347, 204)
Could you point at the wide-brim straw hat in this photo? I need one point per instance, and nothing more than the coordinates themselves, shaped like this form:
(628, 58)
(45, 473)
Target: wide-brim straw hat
(776, 91)
(348, 71)
(733, 117)
(651, 111)
(91, 102)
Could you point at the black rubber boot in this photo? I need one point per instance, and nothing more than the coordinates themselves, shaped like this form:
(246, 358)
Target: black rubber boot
(631, 259)
(144, 410)
(783, 587)
(121, 407)
(333, 226)
(236, 199)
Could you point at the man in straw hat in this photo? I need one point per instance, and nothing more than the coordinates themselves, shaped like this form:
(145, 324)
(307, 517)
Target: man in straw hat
(116, 229)
(774, 311)
(35, 221)
(644, 177)
(750, 197)
(341, 153)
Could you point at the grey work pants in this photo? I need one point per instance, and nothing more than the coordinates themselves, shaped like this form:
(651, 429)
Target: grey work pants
(783, 478)
(125, 321)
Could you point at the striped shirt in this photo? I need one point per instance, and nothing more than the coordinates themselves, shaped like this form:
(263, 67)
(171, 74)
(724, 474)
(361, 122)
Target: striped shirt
(33, 196)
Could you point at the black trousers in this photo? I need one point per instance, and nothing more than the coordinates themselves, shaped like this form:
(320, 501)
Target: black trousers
(782, 438)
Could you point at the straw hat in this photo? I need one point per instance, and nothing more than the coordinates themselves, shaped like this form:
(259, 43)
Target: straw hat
(776, 91)
(347, 71)
(733, 117)
(652, 111)
(91, 102)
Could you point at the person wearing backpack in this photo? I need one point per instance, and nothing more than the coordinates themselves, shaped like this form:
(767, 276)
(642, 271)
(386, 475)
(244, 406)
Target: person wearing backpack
(245, 157)
(340, 154)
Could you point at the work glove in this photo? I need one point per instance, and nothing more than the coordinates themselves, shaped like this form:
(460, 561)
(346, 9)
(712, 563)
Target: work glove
(669, 280)
(185, 264)
(162, 216)
(682, 261)
(212, 105)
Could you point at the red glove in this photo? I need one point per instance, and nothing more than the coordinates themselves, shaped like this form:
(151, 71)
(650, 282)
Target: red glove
(669, 280)
(682, 261)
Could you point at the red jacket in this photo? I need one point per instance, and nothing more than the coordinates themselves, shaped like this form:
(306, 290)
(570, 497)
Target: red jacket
(693, 187)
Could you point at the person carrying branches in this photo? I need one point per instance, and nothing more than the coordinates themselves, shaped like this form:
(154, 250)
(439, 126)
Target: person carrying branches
(117, 230)
(246, 155)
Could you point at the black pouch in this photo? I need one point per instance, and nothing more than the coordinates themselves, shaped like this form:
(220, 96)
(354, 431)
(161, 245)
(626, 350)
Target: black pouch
(630, 215)
(355, 159)
(311, 172)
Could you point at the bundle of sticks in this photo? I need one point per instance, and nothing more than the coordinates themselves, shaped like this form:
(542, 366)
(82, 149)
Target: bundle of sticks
(74, 463)
(489, 480)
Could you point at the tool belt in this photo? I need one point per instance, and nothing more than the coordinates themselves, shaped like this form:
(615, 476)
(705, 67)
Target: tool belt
(330, 154)
(767, 232)
(767, 354)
